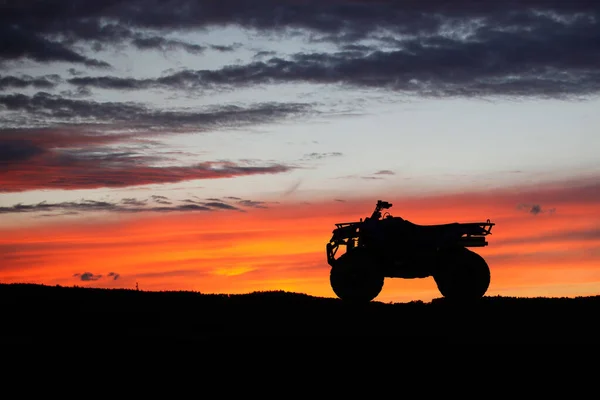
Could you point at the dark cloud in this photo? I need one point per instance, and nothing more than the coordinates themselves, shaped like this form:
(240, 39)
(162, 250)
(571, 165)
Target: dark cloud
(75, 72)
(25, 81)
(349, 18)
(114, 275)
(447, 68)
(17, 151)
(87, 276)
(535, 209)
(264, 54)
(162, 44)
(437, 48)
(358, 48)
(56, 109)
(161, 200)
(320, 156)
(52, 106)
(19, 42)
(118, 83)
(124, 206)
(451, 68)
(252, 204)
(69, 160)
(131, 201)
(81, 171)
(191, 201)
(220, 205)
(80, 92)
(385, 172)
(225, 49)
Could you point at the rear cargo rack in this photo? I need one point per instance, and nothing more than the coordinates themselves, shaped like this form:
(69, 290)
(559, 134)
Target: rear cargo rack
(474, 233)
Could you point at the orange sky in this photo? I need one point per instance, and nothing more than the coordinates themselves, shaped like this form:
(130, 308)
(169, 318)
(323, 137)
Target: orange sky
(555, 252)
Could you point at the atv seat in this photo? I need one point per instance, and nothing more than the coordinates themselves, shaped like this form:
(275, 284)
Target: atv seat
(434, 227)
(468, 229)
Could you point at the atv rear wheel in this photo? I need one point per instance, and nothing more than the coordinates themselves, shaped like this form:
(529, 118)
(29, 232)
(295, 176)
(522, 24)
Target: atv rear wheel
(355, 278)
(462, 276)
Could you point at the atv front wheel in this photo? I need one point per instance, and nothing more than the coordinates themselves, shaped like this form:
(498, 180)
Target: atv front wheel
(354, 278)
(462, 275)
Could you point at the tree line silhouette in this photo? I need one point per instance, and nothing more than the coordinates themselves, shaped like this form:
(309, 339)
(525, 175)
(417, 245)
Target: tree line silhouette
(41, 311)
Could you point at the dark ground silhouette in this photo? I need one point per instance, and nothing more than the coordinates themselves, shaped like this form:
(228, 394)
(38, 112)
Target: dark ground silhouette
(38, 311)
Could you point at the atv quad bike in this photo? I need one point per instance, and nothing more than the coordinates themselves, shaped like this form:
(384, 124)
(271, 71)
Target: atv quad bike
(392, 247)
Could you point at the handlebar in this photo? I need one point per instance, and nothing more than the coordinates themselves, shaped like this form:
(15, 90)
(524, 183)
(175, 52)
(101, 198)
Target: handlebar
(381, 205)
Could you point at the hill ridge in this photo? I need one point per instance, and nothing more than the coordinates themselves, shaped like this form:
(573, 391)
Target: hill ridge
(41, 310)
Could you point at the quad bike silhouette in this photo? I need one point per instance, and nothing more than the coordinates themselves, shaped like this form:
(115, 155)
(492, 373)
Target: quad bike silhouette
(392, 247)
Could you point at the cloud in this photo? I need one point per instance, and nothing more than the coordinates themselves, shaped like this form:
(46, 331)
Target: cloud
(114, 275)
(71, 159)
(264, 54)
(51, 109)
(442, 68)
(82, 171)
(225, 49)
(223, 206)
(320, 156)
(520, 48)
(77, 93)
(131, 205)
(107, 20)
(75, 72)
(26, 81)
(535, 209)
(87, 276)
(161, 199)
(385, 172)
(253, 204)
(218, 203)
(379, 175)
(83, 206)
(20, 42)
(290, 190)
(15, 151)
(131, 201)
(162, 44)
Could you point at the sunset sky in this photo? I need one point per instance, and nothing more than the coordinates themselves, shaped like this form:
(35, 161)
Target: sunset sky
(212, 145)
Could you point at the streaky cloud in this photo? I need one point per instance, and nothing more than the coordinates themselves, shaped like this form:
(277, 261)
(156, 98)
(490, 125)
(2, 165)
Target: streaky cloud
(26, 81)
(72, 159)
(87, 276)
(130, 205)
(55, 109)
(526, 48)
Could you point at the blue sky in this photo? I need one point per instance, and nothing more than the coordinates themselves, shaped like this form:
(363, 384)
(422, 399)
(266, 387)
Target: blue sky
(327, 99)
(441, 120)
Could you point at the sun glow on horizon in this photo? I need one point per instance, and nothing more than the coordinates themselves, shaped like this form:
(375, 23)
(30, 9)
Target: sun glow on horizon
(283, 248)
